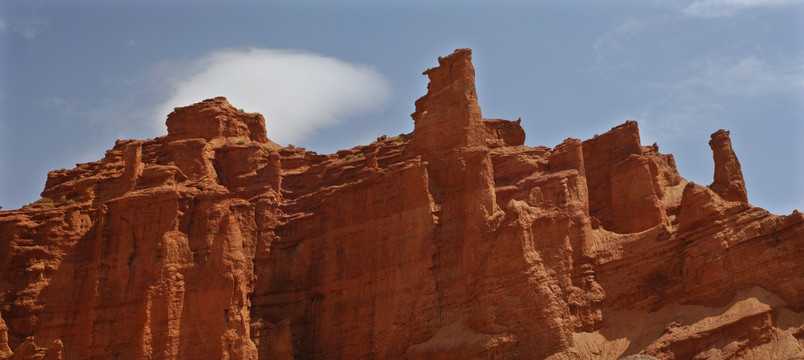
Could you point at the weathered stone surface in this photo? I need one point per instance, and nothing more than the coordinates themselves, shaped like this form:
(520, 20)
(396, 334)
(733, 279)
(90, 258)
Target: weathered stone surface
(215, 118)
(729, 183)
(5, 351)
(456, 241)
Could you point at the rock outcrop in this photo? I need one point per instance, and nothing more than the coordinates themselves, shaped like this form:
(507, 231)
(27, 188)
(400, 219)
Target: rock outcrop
(729, 183)
(456, 241)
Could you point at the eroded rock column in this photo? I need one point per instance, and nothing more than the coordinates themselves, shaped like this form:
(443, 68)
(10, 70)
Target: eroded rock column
(5, 351)
(729, 183)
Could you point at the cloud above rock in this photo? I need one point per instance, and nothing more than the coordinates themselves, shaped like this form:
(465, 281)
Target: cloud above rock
(727, 8)
(297, 92)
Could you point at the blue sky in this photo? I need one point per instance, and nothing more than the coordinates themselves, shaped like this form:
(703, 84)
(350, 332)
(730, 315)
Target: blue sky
(76, 76)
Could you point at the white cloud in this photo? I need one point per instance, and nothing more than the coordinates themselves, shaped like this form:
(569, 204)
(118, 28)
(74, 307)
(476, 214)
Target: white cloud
(28, 28)
(695, 102)
(611, 38)
(747, 77)
(726, 8)
(678, 115)
(297, 92)
(610, 47)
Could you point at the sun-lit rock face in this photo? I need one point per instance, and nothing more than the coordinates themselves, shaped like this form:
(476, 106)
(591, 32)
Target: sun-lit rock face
(728, 182)
(213, 118)
(453, 242)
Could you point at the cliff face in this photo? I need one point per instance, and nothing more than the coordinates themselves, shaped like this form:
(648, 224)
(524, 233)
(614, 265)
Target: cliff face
(453, 242)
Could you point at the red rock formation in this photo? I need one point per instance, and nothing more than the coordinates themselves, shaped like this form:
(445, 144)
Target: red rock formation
(5, 351)
(453, 242)
(728, 182)
(212, 119)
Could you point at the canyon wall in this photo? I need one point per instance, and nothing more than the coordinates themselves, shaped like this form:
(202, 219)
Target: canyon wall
(456, 241)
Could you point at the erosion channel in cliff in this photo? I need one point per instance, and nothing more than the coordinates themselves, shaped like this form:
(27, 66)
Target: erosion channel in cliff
(455, 241)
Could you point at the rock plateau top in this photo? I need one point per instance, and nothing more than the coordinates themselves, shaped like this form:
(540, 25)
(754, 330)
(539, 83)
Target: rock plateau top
(455, 241)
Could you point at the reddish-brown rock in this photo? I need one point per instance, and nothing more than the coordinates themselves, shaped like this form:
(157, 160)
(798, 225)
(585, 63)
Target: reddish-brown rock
(5, 351)
(456, 241)
(729, 183)
(214, 118)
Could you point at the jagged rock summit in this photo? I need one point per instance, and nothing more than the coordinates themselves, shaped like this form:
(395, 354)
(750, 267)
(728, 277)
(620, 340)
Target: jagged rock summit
(456, 241)
(215, 118)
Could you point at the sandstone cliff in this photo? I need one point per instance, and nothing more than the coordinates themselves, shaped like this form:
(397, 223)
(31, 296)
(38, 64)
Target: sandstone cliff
(453, 242)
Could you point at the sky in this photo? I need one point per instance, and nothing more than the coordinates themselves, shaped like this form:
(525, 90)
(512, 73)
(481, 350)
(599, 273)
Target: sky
(75, 76)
